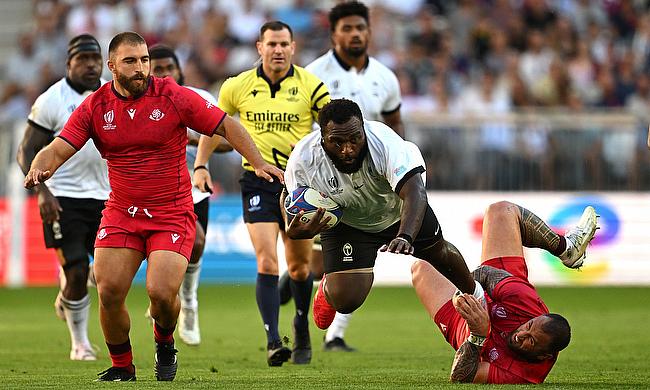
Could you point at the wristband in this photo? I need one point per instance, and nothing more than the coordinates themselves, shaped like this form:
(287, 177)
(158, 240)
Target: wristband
(405, 237)
(201, 167)
(476, 340)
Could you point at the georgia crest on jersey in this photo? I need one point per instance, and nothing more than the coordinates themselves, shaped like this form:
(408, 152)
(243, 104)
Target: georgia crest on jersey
(84, 175)
(374, 88)
(369, 196)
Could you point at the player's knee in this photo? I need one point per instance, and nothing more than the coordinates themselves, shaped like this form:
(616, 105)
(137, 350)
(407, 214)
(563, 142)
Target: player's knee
(76, 276)
(498, 209)
(161, 297)
(267, 265)
(299, 271)
(418, 268)
(110, 293)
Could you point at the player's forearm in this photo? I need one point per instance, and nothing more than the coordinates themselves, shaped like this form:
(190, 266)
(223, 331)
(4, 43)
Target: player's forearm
(241, 141)
(489, 277)
(47, 159)
(204, 149)
(413, 207)
(466, 363)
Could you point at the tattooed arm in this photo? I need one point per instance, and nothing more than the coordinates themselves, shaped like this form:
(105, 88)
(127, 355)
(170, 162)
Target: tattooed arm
(466, 367)
(489, 277)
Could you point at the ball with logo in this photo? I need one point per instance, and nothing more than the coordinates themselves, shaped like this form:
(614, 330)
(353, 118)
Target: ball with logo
(309, 200)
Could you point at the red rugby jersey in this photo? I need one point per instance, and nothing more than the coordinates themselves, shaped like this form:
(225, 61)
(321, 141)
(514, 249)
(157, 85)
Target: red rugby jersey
(143, 140)
(514, 302)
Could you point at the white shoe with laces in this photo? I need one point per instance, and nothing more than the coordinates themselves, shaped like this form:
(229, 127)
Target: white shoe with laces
(578, 238)
(188, 326)
(83, 352)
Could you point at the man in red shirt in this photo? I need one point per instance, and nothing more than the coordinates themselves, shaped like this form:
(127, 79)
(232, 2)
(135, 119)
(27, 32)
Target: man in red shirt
(515, 340)
(138, 124)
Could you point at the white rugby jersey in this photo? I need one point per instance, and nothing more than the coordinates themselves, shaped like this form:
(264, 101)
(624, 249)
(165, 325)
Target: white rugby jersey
(374, 88)
(85, 174)
(190, 150)
(368, 197)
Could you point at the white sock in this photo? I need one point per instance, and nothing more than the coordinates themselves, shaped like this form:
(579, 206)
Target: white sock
(190, 286)
(338, 327)
(479, 293)
(76, 316)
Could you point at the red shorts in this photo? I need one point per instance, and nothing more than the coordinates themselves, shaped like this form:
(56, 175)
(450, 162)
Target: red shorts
(147, 230)
(451, 324)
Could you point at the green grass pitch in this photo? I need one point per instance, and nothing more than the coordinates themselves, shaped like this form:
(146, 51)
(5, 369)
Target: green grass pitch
(399, 348)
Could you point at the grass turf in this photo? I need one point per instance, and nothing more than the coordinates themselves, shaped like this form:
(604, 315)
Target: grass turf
(398, 345)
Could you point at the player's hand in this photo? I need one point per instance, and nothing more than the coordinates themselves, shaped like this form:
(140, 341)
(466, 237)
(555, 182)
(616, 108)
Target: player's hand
(473, 312)
(270, 173)
(35, 177)
(201, 179)
(48, 205)
(398, 245)
(298, 229)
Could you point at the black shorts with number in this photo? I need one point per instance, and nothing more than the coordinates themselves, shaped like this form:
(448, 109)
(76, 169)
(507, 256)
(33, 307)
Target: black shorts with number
(261, 199)
(201, 209)
(346, 248)
(77, 227)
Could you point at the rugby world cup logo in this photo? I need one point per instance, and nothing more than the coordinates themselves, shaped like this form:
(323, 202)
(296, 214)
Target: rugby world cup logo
(108, 121)
(254, 203)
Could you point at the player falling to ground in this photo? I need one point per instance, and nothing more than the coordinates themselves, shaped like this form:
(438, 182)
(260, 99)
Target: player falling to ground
(372, 173)
(139, 125)
(516, 340)
(349, 72)
(165, 63)
(72, 201)
(277, 103)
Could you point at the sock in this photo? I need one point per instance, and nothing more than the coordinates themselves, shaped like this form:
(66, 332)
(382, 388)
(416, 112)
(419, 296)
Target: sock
(76, 317)
(561, 247)
(121, 354)
(268, 303)
(479, 293)
(190, 285)
(301, 291)
(338, 327)
(163, 335)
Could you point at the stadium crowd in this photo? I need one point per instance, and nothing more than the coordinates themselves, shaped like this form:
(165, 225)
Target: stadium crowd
(486, 58)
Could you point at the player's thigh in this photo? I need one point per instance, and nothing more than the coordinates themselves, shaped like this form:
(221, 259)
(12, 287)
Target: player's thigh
(501, 232)
(433, 289)
(264, 237)
(346, 248)
(114, 270)
(165, 271)
(297, 252)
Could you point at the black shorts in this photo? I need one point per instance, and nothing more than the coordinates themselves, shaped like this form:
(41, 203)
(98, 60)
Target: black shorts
(78, 224)
(346, 248)
(260, 199)
(202, 210)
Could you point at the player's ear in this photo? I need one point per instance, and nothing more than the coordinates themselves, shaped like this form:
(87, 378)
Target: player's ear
(110, 65)
(258, 45)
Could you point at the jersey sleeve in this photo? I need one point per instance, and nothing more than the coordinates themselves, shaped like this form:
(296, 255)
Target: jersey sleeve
(43, 115)
(519, 297)
(402, 159)
(294, 174)
(394, 99)
(319, 97)
(226, 100)
(205, 95)
(196, 112)
(76, 130)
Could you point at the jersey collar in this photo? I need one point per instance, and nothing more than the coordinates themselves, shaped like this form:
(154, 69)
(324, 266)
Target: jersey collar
(347, 67)
(79, 89)
(274, 87)
(134, 97)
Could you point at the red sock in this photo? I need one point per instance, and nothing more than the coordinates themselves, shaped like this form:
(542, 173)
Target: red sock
(121, 354)
(163, 335)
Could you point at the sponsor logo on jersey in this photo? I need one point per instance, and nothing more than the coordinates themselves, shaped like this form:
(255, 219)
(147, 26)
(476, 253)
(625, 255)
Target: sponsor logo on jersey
(293, 91)
(443, 327)
(131, 112)
(254, 92)
(108, 121)
(334, 185)
(175, 237)
(156, 115)
(399, 170)
(208, 105)
(494, 354)
(71, 108)
(347, 252)
(499, 311)
(102, 234)
(254, 203)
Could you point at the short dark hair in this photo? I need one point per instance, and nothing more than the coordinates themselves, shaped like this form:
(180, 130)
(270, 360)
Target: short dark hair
(159, 51)
(129, 37)
(274, 25)
(560, 331)
(347, 8)
(338, 111)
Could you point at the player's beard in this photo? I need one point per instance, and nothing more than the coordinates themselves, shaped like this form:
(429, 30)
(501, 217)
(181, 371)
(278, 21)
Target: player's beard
(358, 51)
(349, 168)
(129, 83)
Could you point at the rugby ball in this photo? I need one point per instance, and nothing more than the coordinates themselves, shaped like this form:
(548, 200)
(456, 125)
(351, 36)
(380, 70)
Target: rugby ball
(309, 200)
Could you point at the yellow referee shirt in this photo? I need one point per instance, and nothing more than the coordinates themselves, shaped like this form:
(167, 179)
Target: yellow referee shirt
(277, 115)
